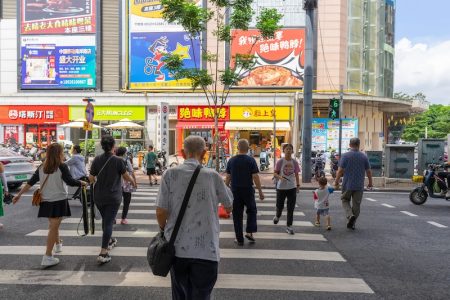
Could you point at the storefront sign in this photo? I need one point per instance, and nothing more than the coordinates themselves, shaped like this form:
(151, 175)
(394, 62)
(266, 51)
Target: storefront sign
(202, 113)
(110, 113)
(163, 127)
(325, 133)
(147, 51)
(39, 114)
(58, 17)
(259, 113)
(279, 62)
(58, 62)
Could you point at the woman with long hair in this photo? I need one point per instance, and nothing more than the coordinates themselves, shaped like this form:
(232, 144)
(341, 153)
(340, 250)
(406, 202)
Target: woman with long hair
(54, 176)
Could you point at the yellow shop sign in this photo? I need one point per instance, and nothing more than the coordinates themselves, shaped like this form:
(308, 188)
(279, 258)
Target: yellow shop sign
(259, 113)
(109, 113)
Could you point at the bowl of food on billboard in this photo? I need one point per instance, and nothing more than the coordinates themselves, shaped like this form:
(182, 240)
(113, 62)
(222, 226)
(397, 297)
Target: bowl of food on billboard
(277, 62)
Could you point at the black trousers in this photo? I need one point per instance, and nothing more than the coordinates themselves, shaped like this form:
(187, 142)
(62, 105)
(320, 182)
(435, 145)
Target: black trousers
(193, 279)
(244, 197)
(444, 175)
(108, 213)
(291, 196)
(126, 204)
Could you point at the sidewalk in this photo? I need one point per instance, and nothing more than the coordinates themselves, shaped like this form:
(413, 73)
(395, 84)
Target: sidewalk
(380, 183)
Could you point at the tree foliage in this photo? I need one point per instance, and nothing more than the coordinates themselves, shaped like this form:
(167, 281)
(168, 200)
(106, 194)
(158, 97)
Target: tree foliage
(220, 17)
(437, 121)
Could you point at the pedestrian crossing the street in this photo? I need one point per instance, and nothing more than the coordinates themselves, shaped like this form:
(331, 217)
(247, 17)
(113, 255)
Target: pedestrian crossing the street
(293, 264)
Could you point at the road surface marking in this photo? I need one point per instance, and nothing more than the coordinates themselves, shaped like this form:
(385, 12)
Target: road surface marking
(408, 213)
(247, 253)
(146, 279)
(221, 221)
(436, 224)
(370, 199)
(223, 235)
(152, 212)
(387, 205)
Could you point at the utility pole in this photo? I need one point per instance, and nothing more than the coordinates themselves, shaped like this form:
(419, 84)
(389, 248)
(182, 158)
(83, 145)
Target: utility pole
(308, 81)
(274, 131)
(341, 105)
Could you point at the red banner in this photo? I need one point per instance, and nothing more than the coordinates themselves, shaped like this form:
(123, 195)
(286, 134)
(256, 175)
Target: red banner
(58, 16)
(201, 113)
(278, 62)
(38, 114)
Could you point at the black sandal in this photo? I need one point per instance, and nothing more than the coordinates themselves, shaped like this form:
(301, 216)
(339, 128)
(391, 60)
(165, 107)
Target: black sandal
(250, 237)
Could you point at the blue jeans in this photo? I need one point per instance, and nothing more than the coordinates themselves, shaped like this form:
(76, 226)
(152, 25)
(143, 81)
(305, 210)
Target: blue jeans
(108, 213)
(244, 197)
(193, 279)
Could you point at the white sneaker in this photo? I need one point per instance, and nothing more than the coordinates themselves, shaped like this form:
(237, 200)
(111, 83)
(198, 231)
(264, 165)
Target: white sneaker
(58, 248)
(48, 261)
(447, 195)
(103, 258)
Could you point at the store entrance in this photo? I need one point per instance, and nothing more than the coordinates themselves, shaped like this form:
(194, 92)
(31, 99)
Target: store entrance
(42, 135)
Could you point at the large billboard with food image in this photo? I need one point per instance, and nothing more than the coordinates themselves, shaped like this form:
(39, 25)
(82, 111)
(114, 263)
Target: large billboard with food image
(58, 16)
(279, 62)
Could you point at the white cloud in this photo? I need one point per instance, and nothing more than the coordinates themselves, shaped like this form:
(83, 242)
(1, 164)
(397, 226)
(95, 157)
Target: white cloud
(423, 68)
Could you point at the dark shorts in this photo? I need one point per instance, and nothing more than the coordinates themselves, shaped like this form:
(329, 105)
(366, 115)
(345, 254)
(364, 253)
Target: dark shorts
(151, 171)
(55, 209)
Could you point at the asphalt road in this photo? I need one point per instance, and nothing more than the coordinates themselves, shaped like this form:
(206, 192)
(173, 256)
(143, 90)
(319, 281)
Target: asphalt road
(394, 253)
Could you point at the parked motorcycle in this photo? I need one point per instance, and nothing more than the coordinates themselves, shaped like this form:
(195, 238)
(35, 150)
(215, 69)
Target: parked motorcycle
(334, 164)
(432, 185)
(264, 161)
(161, 163)
(318, 166)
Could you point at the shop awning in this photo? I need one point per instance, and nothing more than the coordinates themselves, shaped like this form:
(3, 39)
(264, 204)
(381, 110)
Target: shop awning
(198, 125)
(283, 126)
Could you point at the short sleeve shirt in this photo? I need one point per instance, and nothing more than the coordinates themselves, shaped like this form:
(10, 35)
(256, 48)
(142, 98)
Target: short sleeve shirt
(355, 165)
(287, 169)
(108, 186)
(241, 168)
(150, 160)
(198, 236)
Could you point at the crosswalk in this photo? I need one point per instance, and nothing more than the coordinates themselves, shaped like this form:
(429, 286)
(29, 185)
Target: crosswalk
(297, 254)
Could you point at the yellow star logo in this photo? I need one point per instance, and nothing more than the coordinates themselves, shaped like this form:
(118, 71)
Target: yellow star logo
(182, 51)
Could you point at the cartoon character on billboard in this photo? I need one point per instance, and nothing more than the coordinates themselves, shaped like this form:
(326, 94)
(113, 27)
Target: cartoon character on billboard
(159, 49)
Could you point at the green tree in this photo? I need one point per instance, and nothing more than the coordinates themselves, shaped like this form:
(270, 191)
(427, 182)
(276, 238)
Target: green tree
(437, 121)
(90, 147)
(219, 18)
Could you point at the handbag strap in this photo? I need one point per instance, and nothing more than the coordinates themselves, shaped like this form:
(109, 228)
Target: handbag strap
(104, 165)
(184, 205)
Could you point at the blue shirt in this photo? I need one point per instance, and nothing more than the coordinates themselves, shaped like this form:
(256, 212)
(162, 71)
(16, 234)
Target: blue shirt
(241, 168)
(355, 165)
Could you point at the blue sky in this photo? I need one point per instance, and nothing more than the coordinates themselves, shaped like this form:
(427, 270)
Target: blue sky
(422, 21)
(422, 50)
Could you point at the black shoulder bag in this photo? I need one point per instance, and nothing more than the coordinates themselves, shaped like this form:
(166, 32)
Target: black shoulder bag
(161, 253)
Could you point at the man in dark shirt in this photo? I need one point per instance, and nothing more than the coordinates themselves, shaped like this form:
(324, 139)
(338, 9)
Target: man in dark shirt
(107, 171)
(353, 166)
(242, 171)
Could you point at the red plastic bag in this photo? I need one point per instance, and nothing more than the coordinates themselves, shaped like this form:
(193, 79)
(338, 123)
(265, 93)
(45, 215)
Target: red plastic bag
(223, 214)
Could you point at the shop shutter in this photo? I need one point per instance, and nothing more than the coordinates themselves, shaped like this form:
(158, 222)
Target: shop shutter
(9, 9)
(110, 45)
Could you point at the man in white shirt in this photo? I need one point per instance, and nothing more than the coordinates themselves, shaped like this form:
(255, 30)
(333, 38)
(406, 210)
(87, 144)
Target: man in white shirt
(194, 272)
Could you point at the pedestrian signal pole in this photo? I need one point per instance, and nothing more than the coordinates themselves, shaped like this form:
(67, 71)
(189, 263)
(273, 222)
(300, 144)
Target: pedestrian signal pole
(89, 115)
(341, 105)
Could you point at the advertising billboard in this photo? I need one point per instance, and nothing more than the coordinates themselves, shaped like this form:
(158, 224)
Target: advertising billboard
(58, 62)
(58, 16)
(279, 62)
(147, 50)
(150, 38)
(325, 133)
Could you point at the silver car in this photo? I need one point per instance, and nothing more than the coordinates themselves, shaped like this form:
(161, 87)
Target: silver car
(18, 168)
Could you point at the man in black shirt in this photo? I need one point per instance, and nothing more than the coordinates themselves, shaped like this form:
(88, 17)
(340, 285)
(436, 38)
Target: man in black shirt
(107, 171)
(242, 171)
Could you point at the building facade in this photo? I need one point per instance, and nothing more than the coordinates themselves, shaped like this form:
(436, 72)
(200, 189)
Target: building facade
(111, 51)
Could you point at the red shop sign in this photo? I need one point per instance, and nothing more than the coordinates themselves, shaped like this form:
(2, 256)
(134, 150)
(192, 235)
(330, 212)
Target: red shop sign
(38, 114)
(201, 113)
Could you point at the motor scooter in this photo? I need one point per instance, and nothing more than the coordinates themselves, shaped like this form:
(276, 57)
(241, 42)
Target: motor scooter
(318, 166)
(264, 161)
(432, 185)
(334, 164)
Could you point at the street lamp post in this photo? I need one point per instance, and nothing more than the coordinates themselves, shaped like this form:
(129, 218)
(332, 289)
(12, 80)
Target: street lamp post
(274, 131)
(309, 6)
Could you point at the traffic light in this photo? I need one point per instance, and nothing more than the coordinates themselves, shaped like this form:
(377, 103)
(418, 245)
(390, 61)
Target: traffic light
(333, 109)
